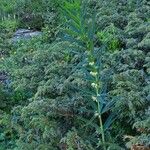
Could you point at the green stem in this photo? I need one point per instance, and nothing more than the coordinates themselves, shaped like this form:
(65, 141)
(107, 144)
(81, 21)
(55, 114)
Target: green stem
(102, 131)
(100, 116)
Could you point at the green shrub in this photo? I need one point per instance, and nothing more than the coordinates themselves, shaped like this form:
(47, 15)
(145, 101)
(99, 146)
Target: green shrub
(9, 25)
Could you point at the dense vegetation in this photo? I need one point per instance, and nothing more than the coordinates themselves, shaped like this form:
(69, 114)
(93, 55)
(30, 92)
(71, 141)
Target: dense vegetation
(84, 83)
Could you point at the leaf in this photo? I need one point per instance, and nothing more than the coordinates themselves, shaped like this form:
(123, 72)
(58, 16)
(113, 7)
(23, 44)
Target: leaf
(86, 110)
(90, 121)
(92, 29)
(94, 125)
(72, 40)
(71, 33)
(107, 107)
(109, 121)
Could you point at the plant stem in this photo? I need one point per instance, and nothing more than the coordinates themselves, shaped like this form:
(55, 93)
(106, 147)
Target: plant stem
(100, 120)
(102, 131)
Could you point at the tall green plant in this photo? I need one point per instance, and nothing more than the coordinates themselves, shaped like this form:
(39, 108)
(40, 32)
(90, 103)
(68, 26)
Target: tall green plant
(80, 31)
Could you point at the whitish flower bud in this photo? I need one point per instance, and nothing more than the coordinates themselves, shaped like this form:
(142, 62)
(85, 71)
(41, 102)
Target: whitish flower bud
(96, 114)
(94, 85)
(91, 63)
(93, 73)
(94, 98)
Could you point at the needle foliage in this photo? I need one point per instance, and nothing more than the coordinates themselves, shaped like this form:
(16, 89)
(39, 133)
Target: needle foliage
(84, 84)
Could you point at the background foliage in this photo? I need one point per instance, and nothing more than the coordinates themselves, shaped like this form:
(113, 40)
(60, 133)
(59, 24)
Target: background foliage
(47, 96)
